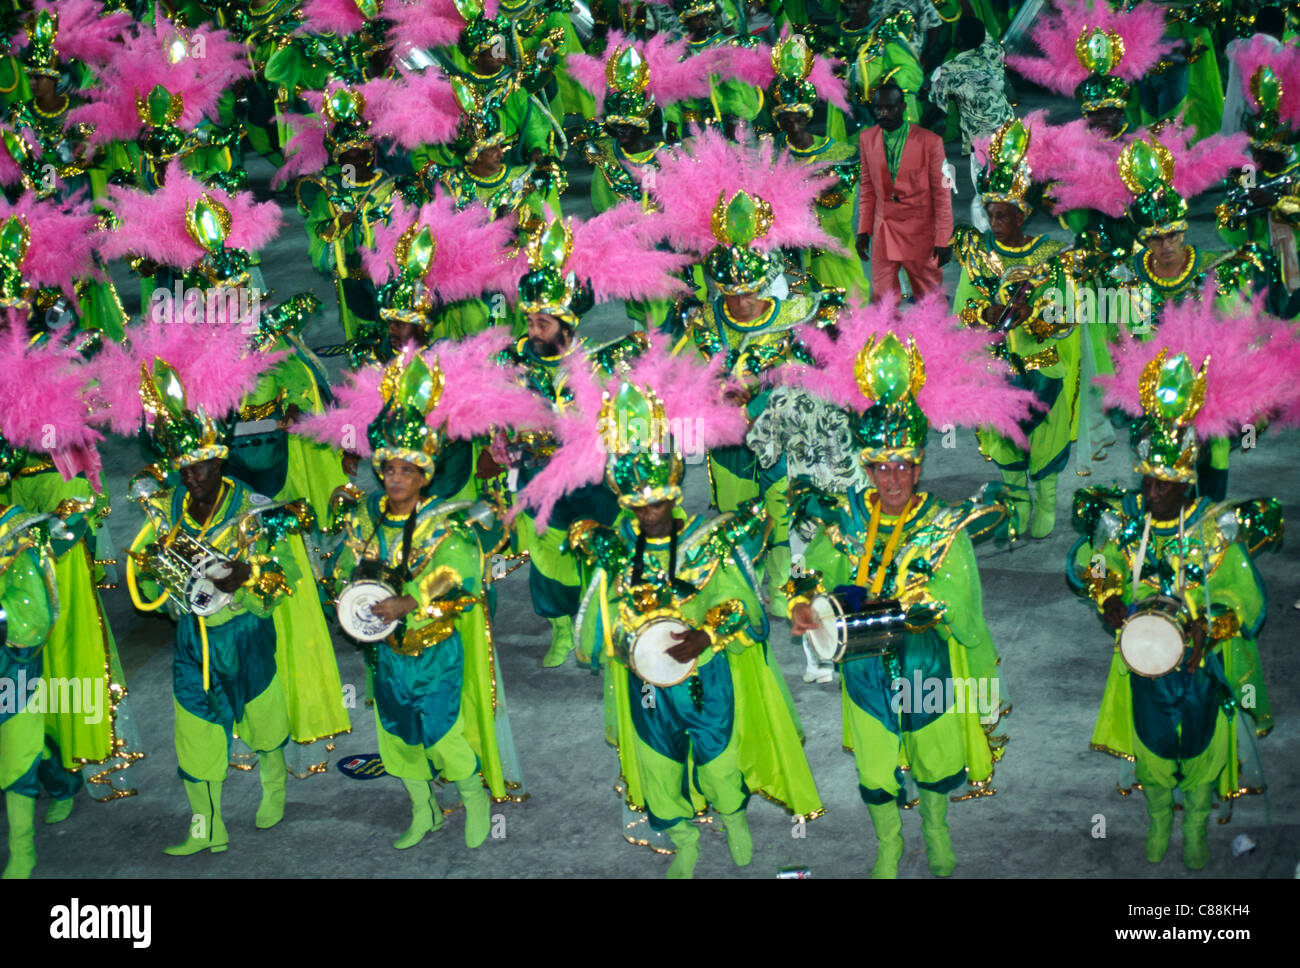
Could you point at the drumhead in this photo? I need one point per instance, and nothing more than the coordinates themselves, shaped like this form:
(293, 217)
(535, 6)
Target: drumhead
(825, 639)
(203, 597)
(354, 613)
(648, 655)
(1151, 644)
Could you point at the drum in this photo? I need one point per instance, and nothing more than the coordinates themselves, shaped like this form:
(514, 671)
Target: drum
(1152, 640)
(187, 568)
(371, 582)
(875, 629)
(648, 652)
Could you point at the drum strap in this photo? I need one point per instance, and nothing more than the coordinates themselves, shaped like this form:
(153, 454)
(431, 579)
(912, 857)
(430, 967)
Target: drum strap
(891, 546)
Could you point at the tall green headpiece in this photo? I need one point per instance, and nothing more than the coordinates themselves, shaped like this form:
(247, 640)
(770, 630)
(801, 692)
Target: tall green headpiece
(791, 91)
(1264, 125)
(15, 237)
(1006, 177)
(40, 58)
(406, 297)
(1100, 51)
(734, 264)
(178, 434)
(1172, 394)
(626, 99)
(894, 427)
(411, 389)
(642, 465)
(1147, 170)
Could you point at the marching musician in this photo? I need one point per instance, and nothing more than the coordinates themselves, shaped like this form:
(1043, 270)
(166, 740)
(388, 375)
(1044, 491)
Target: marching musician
(931, 700)
(29, 606)
(1164, 550)
(1044, 351)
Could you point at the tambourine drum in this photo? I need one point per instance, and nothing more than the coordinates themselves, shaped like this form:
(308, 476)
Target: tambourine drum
(201, 592)
(648, 652)
(371, 582)
(1152, 640)
(875, 629)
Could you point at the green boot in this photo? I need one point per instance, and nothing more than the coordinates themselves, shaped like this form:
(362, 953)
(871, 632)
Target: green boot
(1197, 804)
(1044, 519)
(60, 810)
(1017, 488)
(888, 824)
(739, 841)
(475, 797)
(686, 838)
(1160, 808)
(561, 642)
(934, 829)
(421, 814)
(207, 829)
(273, 771)
(21, 812)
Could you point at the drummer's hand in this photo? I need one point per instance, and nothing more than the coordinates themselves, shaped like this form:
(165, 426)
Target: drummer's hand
(802, 619)
(392, 609)
(350, 462)
(693, 643)
(1114, 612)
(1200, 632)
(239, 572)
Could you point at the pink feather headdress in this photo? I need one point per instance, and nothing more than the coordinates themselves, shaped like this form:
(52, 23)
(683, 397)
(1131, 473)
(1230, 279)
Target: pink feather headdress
(207, 62)
(479, 395)
(62, 238)
(1260, 51)
(964, 385)
(1092, 178)
(415, 110)
(44, 403)
(213, 358)
(1254, 359)
(472, 251)
(753, 66)
(10, 172)
(153, 223)
(86, 32)
(692, 178)
(339, 17)
(1058, 68)
(305, 152)
(672, 77)
(692, 395)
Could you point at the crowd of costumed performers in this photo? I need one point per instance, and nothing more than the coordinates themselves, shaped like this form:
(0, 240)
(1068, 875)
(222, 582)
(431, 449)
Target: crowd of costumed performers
(496, 378)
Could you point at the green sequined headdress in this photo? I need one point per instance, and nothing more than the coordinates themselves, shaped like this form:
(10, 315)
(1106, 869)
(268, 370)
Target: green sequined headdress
(547, 287)
(893, 428)
(178, 434)
(481, 125)
(1147, 170)
(791, 91)
(15, 237)
(405, 297)
(410, 389)
(734, 265)
(626, 99)
(1100, 51)
(1264, 125)
(481, 32)
(643, 465)
(40, 58)
(344, 108)
(1006, 176)
(1172, 394)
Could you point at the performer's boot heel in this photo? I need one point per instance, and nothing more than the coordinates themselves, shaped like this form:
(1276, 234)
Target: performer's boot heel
(739, 840)
(421, 814)
(888, 824)
(561, 642)
(1044, 517)
(934, 829)
(1160, 808)
(477, 821)
(686, 838)
(273, 772)
(21, 814)
(207, 829)
(1197, 804)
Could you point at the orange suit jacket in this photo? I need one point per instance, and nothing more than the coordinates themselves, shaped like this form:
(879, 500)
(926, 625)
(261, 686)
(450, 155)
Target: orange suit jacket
(910, 217)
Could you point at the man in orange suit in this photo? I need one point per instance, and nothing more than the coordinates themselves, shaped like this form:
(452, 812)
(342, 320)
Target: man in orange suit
(903, 202)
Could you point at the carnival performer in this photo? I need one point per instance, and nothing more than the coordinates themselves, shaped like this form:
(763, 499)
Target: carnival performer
(892, 543)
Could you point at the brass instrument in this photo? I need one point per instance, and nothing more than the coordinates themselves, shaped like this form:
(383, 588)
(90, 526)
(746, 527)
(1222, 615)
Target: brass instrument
(1237, 206)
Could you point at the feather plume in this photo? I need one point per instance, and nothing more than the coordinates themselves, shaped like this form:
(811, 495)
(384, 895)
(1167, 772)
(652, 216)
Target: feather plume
(472, 251)
(673, 77)
(481, 395)
(691, 178)
(1253, 357)
(418, 109)
(43, 401)
(331, 17)
(420, 26)
(62, 240)
(86, 32)
(616, 253)
(1261, 51)
(153, 223)
(357, 402)
(305, 152)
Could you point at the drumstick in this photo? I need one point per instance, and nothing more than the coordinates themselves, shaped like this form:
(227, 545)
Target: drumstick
(1141, 555)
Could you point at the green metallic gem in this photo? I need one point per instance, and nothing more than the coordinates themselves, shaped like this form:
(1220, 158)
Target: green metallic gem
(1100, 52)
(792, 57)
(343, 106)
(43, 28)
(1174, 387)
(1015, 143)
(13, 241)
(368, 8)
(168, 383)
(469, 9)
(464, 93)
(159, 103)
(1266, 88)
(890, 371)
(14, 144)
(552, 246)
(1144, 164)
(741, 219)
(628, 71)
(418, 385)
(419, 254)
(208, 230)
